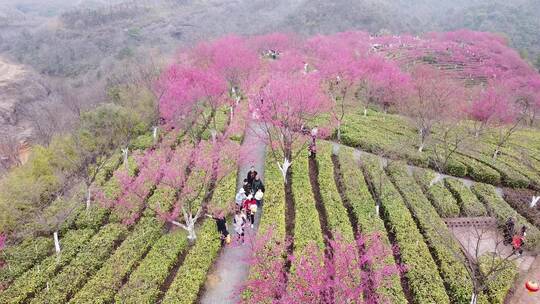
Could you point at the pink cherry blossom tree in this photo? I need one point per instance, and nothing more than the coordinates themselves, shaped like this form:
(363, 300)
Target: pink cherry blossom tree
(337, 58)
(286, 103)
(434, 97)
(191, 99)
(345, 276)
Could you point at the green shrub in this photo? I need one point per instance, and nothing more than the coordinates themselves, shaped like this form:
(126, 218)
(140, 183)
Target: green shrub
(92, 218)
(21, 257)
(481, 172)
(145, 282)
(143, 142)
(82, 267)
(192, 274)
(439, 196)
(369, 222)
(307, 226)
(338, 219)
(424, 280)
(470, 205)
(456, 168)
(498, 282)
(36, 278)
(105, 283)
(445, 250)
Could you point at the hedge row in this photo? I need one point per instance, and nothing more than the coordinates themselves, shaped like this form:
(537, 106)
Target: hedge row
(273, 216)
(479, 171)
(145, 282)
(108, 168)
(368, 221)
(532, 174)
(19, 258)
(162, 199)
(36, 278)
(499, 282)
(520, 200)
(470, 205)
(307, 226)
(143, 142)
(83, 266)
(424, 281)
(191, 276)
(439, 196)
(338, 219)
(105, 283)
(509, 176)
(500, 209)
(443, 246)
(92, 218)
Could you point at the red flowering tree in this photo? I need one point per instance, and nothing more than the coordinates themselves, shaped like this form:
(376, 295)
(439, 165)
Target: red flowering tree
(337, 59)
(346, 276)
(434, 98)
(286, 103)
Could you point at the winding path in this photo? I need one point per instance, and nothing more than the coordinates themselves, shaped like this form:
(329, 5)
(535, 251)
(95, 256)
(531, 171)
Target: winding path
(231, 268)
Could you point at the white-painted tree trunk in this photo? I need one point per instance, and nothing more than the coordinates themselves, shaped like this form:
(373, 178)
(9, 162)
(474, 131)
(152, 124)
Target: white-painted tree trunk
(189, 225)
(421, 148)
(473, 298)
(88, 197)
(377, 209)
(232, 112)
(339, 131)
(125, 153)
(237, 99)
(56, 242)
(365, 111)
(154, 134)
(335, 149)
(495, 154)
(283, 168)
(534, 201)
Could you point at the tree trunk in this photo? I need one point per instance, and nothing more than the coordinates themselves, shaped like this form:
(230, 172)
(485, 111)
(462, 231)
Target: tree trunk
(365, 111)
(56, 242)
(191, 233)
(125, 154)
(421, 148)
(88, 197)
(284, 168)
(474, 296)
(232, 112)
(154, 134)
(339, 132)
(496, 153)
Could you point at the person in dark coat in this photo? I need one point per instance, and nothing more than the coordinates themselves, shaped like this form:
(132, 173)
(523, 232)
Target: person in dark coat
(221, 225)
(508, 232)
(257, 184)
(251, 175)
(247, 187)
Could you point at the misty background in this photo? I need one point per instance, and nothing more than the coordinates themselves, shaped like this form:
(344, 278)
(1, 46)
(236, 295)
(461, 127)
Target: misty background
(60, 57)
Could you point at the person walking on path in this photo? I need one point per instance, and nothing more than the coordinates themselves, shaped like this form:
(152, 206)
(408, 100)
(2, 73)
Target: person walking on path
(240, 198)
(251, 175)
(221, 225)
(518, 241)
(239, 222)
(247, 187)
(258, 187)
(509, 230)
(258, 197)
(250, 206)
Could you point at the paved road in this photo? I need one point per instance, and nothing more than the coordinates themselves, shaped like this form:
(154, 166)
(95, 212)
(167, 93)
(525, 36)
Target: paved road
(231, 270)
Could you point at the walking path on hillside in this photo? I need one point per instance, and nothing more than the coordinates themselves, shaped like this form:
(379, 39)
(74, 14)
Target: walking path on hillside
(231, 268)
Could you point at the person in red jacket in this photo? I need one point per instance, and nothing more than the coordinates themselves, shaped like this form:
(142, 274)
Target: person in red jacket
(250, 206)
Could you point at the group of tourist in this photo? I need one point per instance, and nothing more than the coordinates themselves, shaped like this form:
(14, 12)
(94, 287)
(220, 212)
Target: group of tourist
(511, 237)
(248, 200)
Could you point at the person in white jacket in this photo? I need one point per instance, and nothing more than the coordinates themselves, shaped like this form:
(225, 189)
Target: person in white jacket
(239, 222)
(240, 198)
